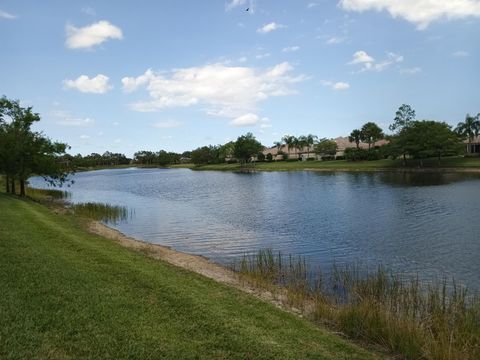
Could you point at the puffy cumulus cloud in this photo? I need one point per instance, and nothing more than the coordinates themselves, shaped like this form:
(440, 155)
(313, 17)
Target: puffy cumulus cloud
(419, 12)
(96, 85)
(368, 63)
(6, 15)
(64, 118)
(245, 120)
(337, 86)
(91, 35)
(270, 27)
(361, 57)
(291, 49)
(226, 91)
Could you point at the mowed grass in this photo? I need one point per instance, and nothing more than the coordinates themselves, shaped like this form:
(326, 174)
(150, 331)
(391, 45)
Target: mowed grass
(67, 294)
(343, 165)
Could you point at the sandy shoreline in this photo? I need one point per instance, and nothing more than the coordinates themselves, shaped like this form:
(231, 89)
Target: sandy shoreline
(195, 263)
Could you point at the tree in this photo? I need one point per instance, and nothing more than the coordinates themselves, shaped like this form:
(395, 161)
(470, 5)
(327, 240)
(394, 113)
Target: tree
(403, 117)
(423, 139)
(310, 141)
(24, 152)
(469, 129)
(326, 147)
(371, 133)
(289, 140)
(356, 137)
(246, 146)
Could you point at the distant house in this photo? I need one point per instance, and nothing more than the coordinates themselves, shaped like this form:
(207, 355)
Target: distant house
(304, 153)
(343, 143)
(474, 146)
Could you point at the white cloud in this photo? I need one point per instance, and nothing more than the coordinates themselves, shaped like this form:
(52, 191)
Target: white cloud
(411, 71)
(89, 11)
(312, 5)
(335, 40)
(460, 53)
(233, 4)
(337, 86)
(64, 118)
(245, 120)
(270, 27)
(96, 85)
(84, 137)
(242, 59)
(6, 15)
(291, 49)
(361, 57)
(419, 12)
(169, 124)
(368, 63)
(226, 91)
(91, 35)
(262, 56)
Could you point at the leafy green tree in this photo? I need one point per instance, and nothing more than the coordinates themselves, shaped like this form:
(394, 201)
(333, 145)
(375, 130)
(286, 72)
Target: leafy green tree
(469, 129)
(356, 137)
(403, 117)
(269, 157)
(424, 139)
(205, 155)
(371, 133)
(246, 146)
(24, 152)
(326, 147)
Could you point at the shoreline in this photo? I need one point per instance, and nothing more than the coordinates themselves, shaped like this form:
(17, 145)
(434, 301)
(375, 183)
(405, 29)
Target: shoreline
(194, 263)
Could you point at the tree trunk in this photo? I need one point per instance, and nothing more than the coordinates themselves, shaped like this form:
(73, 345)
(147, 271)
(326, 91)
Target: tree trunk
(13, 186)
(22, 188)
(7, 184)
(404, 160)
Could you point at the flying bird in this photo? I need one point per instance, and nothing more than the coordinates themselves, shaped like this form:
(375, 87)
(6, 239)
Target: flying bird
(247, 9)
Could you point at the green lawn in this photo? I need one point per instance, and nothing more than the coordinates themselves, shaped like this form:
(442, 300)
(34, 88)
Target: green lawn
(343, 165)
(67, 294)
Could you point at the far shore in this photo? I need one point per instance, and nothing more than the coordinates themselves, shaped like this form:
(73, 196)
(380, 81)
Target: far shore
(447, 165)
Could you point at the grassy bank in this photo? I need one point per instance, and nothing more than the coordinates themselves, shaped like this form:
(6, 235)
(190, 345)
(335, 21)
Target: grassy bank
(438, 320)
(455, 163)
(69, 294)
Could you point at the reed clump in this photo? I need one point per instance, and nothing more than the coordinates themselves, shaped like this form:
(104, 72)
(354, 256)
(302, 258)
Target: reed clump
(414, 320)
(47, 195)
(101, 212)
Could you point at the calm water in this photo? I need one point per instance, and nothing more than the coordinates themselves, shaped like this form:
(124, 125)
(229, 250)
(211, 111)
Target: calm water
(425, 224)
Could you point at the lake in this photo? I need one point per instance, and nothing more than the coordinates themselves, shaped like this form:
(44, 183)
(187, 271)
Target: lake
(413, 223)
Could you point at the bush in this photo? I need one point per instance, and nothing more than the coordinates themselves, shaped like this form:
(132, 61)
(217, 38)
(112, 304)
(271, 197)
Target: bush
(260, 157)
(328, 157)
(269, 157)
(311, 159)
(340, 157)
(232, 161)
(354, 154)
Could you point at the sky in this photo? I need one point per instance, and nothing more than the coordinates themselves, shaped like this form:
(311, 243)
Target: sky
(125, 76)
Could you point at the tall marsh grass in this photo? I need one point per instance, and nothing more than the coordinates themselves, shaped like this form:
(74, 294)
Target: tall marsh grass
(414, 320)
(47, 194)
(101, 212)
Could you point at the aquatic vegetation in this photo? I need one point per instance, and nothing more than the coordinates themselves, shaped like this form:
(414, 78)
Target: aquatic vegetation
(435, 320)
(101, 212)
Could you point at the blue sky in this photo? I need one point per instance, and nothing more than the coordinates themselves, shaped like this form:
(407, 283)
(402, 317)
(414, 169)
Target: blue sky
(149, 75)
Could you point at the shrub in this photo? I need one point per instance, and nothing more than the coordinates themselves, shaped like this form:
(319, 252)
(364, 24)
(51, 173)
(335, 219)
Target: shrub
(269, 157)
(328, 157)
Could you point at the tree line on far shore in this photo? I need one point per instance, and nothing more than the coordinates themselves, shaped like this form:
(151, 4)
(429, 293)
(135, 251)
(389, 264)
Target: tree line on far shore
(24, 152)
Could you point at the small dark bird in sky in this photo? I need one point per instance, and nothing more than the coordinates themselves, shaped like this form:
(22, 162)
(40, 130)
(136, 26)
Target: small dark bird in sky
(247, 9)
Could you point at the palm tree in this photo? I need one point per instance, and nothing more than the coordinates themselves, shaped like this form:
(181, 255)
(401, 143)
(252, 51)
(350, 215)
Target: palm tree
(309, 141)
(355, 136)
(289, 140)
(279, 145)
(469, 129)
